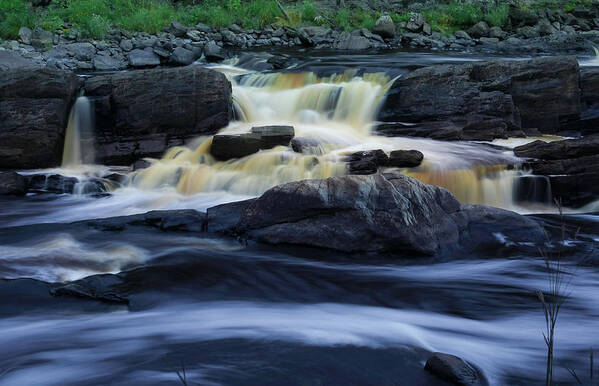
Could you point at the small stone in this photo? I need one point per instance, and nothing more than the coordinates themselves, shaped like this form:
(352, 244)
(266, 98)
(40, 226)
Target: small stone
(142, 58)
(25, 34)
(384, 27)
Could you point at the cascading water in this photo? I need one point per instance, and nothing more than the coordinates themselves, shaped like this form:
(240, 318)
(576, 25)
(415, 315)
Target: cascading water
(78, 144)
(337, 113)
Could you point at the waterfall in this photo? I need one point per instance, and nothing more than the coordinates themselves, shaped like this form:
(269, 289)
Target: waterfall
(78, 144)
(336, 114)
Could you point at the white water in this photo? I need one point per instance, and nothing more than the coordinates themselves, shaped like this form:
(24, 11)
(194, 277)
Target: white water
(78, 145)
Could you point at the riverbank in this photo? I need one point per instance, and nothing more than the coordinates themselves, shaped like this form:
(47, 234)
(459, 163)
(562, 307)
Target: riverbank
(545, 32)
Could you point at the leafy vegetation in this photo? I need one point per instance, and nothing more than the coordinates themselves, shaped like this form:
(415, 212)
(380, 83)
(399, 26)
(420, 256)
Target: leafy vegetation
(95, 18)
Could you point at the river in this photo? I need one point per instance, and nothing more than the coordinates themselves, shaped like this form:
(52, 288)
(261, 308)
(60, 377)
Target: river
(231, 313)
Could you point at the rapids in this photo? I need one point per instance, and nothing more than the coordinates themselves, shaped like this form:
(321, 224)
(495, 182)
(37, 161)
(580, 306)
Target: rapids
(236, 314)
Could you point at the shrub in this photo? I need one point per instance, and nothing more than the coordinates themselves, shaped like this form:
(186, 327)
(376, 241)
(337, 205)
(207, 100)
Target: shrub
(498, 16)
(464, 15)
(343, 19)
(308, 11)
(148, 19)
(14, 14)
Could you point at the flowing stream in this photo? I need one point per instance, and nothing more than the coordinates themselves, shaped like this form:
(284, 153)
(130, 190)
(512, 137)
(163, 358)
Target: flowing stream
(236, 315)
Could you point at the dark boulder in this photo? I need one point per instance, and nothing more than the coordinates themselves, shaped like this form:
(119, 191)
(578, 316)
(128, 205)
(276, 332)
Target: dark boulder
(454, 370)
(59, 184)
(142, 113)
(225, 147)
(569, 148)
(34, 109)
(539, 93)
(366, 162)
(405, 158)
(12, 183)
(572, 166)
(389, 213)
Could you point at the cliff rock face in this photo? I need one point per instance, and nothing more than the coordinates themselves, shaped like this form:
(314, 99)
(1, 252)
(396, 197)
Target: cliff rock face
(541, 94)
(34, 109)
(142, 113)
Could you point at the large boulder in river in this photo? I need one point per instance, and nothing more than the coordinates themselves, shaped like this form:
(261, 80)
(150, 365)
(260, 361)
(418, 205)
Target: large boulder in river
(374, 213)
(225, 147)
(540, 93)
(142, 113)
(34, 109)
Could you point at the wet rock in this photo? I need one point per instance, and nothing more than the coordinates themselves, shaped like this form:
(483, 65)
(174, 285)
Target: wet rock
(454, 370)
(166, 220)
(384, 27)
(389, 213)
(213, 52)
(443, 130)
(307, 145)
(224, 218)
(570, 148)
(479, 30)
(405, 158)
(142, 113)
(182, 56)
(97, 287)
(539, 93)
(367, 162)
(141, 164)
(59, 184)
(143, 58)
(225, 147)
(34, 108)
(12, 183)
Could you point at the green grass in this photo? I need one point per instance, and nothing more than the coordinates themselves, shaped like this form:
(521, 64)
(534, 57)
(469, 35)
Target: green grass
(498, 16)
(14, 14)
(95, 18)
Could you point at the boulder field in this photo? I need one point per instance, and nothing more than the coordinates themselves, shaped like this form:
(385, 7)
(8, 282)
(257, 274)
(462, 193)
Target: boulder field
(380, 213)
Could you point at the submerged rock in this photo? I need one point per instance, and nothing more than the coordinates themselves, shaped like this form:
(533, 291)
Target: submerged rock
(454, 370)
(570, 148)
